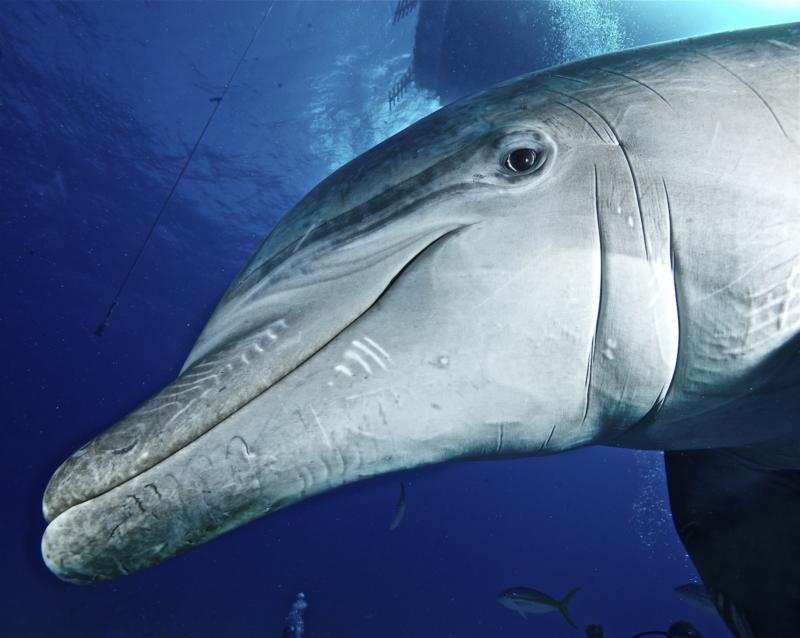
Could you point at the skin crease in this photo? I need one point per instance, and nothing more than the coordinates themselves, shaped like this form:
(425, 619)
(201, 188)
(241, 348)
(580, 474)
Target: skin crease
(638, 286)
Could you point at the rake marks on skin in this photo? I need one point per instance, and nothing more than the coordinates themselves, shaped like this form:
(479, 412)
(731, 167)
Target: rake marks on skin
(370, 350)
(155, 490)
(570, 79)
(379, 349)
(321, 429)
(367, 351)
(612, 137)
(358, 359)
(547, 441)
(303, 238)
(246, 448)
(640, 83)
(750, 87)
(208, 373)
(783, 45)
(580, 115)
(638, 195)
(138, 502)
(195, 383)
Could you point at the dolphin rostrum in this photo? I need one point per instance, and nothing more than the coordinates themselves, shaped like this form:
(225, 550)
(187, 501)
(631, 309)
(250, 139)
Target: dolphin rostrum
(607, 252)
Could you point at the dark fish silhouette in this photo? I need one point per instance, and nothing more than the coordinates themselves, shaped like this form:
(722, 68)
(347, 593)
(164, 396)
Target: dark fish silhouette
(400, 508)
(526, 600)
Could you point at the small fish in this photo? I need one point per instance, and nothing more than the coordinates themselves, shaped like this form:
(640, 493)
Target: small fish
(697, 596)
(526, 600)
(400, 508)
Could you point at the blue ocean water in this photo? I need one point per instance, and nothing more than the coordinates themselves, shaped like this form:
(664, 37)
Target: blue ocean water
(100, 106)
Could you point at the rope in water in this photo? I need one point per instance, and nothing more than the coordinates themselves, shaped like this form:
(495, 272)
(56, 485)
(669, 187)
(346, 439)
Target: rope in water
(101, 327)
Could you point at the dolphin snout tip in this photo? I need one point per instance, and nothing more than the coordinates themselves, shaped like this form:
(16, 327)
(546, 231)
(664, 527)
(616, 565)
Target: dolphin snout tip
(56, 498)
(75, 481)
(50, 505)
(62, 562)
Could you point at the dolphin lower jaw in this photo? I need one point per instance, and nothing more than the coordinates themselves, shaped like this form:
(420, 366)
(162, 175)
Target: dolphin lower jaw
(264, 457)
(220, 481)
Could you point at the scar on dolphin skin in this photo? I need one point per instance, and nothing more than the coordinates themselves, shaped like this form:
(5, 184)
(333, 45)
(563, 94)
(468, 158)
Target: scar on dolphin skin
(749, 86)
(571, 79)
(580, 115)
(638, 196)
(640, 83)
(617, 142)
(549, 436)
(613, 139)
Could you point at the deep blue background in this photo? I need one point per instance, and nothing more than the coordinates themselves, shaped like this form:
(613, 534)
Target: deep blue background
(99, 106)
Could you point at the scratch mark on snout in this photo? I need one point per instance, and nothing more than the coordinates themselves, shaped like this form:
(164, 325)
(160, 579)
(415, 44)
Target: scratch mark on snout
(321, 429)
(378, 348)
(155, 490)
(138, 502)
(354, 356)
(303, 238)
(782, 45)
(367, 351)
(238, 437)
(382, 413)
(640, 83)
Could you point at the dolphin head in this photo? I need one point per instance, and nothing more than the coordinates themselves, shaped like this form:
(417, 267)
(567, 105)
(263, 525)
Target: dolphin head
(443, 296)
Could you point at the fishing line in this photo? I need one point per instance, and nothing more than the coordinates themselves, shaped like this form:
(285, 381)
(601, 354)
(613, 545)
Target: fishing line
(101, 327)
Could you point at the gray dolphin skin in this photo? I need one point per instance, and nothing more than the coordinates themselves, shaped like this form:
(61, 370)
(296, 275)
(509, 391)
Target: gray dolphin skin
(606, 252)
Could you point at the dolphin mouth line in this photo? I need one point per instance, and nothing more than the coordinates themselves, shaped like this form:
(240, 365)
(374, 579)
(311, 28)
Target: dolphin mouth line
(437, 238)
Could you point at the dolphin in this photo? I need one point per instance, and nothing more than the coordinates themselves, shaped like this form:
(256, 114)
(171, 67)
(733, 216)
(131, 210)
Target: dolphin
(602, 253)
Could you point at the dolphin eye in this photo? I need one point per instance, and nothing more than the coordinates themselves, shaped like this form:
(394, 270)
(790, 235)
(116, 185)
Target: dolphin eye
(520, 160)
